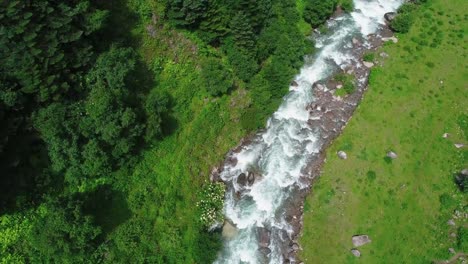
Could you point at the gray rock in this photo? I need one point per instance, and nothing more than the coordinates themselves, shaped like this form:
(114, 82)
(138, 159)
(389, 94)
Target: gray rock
(242, 179)
(452, 251)
(390, 16)
(294, 84)
(445, 135)
(342, 154)
(251, 178)
(393, 39)
(464, 172)
(356, 252)
(451, 222)
(453, 235)
(295, 247)
(265, 251)
(368, 64)
(459, 145)
(264, 237)
(383, 54)
(339, 86)
(392, 155)
(360, 240)
(229, 230)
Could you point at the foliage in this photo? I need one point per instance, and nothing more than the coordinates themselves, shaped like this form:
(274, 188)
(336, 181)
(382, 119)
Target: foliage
(347, 5)
(210, 204)
(404, 19)
(347, 81)
(217, 78)
(317, 12)
(369, 57)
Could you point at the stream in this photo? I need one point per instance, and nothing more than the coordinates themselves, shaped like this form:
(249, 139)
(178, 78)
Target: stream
(265, 174)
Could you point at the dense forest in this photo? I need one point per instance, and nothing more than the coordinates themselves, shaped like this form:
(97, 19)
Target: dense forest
(98, 100)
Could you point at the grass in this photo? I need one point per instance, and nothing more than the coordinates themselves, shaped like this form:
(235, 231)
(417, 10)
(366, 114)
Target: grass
(403, 205)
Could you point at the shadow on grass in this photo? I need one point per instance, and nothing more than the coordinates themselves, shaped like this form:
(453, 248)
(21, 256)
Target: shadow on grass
(108, 206)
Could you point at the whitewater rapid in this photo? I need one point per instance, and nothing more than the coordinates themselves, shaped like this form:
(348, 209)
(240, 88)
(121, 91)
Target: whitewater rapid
(279, 155)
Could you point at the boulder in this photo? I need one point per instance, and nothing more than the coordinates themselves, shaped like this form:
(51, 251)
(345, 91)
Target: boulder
(451, 222)
(356, 252)
(459, 145)
(294, 84)
(295, 247)
(264, 250)
(264, 237)
(229, 230)
(390, 16)
(368, 64)
(359, 240)
(392, 155)
(339, 86)
(383, 54)
(452, 251)
(342, 154)
(445, 135)
(251, 178)
(242, 179)
(393, 39)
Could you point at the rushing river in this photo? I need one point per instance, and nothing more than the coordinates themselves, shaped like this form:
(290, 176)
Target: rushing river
(279, 155)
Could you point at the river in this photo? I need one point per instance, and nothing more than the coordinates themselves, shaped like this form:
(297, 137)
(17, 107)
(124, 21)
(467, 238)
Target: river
(276, 158)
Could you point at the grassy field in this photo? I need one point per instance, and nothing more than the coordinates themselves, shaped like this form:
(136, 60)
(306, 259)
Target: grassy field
(403, 205)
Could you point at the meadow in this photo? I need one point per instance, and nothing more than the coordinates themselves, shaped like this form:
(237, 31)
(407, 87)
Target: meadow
(404, 204)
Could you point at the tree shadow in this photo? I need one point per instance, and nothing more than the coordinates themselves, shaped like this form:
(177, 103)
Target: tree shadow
(108, 206)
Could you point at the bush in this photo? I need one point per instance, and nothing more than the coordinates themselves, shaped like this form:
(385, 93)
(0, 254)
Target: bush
(369, 57)
(347, 5)
(217, 78)
(348, 82)
(402, 23)
(210, 204)
(316, 12)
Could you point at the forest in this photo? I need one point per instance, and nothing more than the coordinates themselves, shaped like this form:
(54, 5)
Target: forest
(109, 109)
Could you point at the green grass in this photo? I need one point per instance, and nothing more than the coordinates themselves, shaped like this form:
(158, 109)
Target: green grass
(406, 109)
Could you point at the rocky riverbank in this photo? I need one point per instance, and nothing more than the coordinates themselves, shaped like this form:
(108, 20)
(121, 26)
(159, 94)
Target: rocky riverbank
(328, 115)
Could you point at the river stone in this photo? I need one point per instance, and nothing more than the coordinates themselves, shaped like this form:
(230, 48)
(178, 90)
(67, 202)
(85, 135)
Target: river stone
(452, 251)
(392, 155)
(390, 16)
(264, 250)
(464, 172)
(356, 252)
(368, 64)
(394, 39)
(445, 135)
(229, 230)
(451, 222)
(339, 86)
(264, 237)
(459, 145)
(251, 178)
(294, 84)
(242, 179)
(342, 154)
(360, 240)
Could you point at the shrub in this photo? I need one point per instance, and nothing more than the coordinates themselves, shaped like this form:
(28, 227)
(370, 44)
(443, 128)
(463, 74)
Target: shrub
(217, 78)
(347, 5)
(317, 12)
(369, 57)
(210, 204)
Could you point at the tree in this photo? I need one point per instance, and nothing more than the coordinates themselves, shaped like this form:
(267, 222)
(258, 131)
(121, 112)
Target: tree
(217, 78)
(316, 12)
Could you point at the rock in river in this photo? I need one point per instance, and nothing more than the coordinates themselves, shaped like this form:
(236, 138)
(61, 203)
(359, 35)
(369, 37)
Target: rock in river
(360, 240)
(390, 16)
(242, 179)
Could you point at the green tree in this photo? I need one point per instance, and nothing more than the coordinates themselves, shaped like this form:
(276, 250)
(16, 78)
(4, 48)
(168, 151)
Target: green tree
(316, 12)
(217, 78)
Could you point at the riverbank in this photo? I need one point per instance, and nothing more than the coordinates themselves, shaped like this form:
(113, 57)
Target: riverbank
(413, 99)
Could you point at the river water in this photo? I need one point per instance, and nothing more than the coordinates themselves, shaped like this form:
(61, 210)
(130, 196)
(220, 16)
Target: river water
(279, 155)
